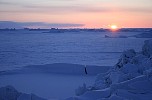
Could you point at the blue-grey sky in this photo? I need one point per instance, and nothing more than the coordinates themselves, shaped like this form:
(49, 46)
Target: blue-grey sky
(90, 13)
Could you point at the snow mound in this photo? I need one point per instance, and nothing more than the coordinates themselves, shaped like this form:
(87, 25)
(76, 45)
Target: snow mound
(129, 79)
(10, 93)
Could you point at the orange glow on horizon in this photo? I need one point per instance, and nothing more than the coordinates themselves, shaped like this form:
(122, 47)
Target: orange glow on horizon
(113, 27)
(92, 20)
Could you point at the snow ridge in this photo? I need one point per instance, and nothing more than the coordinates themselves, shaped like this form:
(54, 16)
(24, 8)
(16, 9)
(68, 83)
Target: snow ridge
(129, 79)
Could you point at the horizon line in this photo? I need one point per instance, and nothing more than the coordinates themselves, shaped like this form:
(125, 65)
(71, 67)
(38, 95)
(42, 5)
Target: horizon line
(46, 25)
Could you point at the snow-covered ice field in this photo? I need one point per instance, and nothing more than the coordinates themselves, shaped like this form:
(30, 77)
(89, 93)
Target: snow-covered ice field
(49, 86)
(55, 81)
(22, 48)
(26, 57)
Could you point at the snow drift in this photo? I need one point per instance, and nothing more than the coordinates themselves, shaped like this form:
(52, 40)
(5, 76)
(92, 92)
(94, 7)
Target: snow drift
(129, 79)
(10, 93)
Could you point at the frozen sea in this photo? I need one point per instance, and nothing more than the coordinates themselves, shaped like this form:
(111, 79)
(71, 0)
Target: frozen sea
(22, 48)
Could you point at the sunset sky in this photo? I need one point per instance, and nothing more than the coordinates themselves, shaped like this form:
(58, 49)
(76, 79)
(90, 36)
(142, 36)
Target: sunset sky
(79, 13)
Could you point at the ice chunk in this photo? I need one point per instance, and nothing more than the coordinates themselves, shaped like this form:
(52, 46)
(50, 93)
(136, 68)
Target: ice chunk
(138, 59)
(129, 68)
(125, 58)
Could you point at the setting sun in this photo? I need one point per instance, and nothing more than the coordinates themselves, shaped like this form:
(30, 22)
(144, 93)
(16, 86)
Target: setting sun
(113, 27)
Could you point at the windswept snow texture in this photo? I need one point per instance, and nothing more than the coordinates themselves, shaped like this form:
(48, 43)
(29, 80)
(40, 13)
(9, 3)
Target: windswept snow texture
(51, 81)
(20, 48)
(129, 79)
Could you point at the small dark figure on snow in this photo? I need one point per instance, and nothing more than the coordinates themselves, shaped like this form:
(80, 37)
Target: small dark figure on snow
(86, 69)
